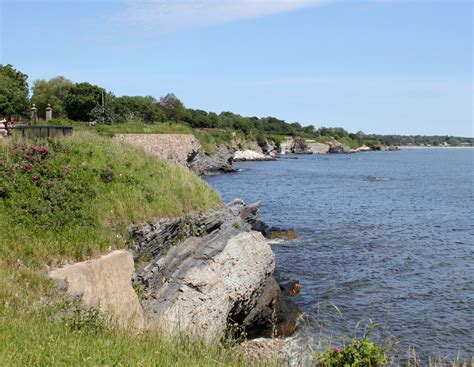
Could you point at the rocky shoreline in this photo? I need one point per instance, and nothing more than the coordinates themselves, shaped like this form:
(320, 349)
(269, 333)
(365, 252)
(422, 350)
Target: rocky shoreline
(221, 161)
(185, 149)
(208, 275)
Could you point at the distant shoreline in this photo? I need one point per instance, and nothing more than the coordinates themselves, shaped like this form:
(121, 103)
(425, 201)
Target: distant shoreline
(431, 147)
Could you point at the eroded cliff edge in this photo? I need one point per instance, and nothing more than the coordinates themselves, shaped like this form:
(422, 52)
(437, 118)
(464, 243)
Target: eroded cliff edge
(206, 273)
(202, 274)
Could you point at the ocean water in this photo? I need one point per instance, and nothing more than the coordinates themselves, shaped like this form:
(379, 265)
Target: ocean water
(385, 236)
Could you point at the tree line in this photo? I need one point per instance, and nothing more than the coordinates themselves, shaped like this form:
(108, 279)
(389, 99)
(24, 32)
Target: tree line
(88, 102)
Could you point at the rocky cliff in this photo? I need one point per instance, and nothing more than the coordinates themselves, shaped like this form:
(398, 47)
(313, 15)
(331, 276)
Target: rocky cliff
(183, 149)
(204, 274)
(178, 148)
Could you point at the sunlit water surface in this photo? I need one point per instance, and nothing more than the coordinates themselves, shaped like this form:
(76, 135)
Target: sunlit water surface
(382, 235)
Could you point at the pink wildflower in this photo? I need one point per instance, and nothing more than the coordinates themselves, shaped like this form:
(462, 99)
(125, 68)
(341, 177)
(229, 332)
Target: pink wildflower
(27, 167)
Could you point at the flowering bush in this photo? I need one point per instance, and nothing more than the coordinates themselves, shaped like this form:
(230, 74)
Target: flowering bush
(359, 353)
(38, 187)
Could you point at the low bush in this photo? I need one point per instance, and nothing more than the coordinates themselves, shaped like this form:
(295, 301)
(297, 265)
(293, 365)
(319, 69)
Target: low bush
(141, 128)
(76, 196)
(358, 353)
(68, 199)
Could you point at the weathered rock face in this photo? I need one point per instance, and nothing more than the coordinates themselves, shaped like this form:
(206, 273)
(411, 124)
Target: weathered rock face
(106, 284)
(269, 147)
(251, 145)
(178, 148)
(208, 164)
(363, 148)
(198, 297)
(295, 146)
(337, 147)
(183, 149)
(200, 274)
(300, 147)
(250, 155)
(384, 148)
(273, 315)
(285, 146)
(318, 148)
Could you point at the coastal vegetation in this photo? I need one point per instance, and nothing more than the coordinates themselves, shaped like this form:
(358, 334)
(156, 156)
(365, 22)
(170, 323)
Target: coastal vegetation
(86, 102)
(67, 200)
(75, 197)
(70, 199)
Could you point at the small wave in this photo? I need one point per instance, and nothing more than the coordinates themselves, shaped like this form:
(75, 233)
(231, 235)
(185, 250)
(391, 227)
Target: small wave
(276, 241)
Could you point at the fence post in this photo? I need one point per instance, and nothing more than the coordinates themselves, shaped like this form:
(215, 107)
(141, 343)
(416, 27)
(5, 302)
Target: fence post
(34, 114)
(49, 113)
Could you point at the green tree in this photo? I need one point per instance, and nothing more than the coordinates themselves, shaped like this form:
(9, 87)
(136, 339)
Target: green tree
(53, 92)
(137, 108)
(13, 91)
(81, 100)
(172, 107)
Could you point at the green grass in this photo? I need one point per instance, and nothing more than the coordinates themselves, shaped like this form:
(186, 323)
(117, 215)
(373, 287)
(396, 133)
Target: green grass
(210, 139)
(81, 198)
(71, 199)
(141, 128)
(34, 340)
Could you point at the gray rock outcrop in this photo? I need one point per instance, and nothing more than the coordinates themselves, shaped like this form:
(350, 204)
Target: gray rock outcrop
(299, 146)
(318, 148)
(204, 273)
(250, 155)
(219, 161)
(337, 147)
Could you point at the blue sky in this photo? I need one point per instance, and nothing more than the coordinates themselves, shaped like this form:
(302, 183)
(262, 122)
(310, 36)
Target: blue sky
(380, 66)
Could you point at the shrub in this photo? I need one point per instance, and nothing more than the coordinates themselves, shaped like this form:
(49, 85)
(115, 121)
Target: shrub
(360, 352)
(74, 196)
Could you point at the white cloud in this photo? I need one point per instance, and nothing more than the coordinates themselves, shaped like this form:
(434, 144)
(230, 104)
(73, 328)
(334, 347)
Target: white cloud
(176, 14)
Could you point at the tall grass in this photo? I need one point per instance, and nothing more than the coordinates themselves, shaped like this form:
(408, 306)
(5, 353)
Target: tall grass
(69, 199)
(141, 128)
(82, 197)
(35, 340)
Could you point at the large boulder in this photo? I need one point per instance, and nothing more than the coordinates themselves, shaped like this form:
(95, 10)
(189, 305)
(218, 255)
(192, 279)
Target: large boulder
(106, 284)
(300, 146)
(337, 147)
(204, 273)
(220, 161)
(285, 146)
(273, 315)
(250, 155)
(318, 148)
(214, 281)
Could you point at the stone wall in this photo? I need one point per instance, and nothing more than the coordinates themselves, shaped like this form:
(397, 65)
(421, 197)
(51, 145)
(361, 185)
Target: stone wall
(178, 148)
(106, 284)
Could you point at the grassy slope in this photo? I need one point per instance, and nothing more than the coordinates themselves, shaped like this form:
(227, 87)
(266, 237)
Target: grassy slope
(76, 201)
(208, 139)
